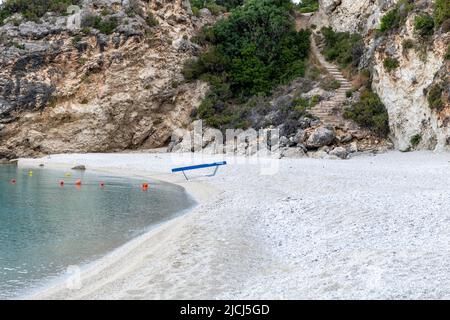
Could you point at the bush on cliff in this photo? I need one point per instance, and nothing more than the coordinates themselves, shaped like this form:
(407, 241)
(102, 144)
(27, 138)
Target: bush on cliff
(343, 47)
(441, 11)
(369, 112)
(34, 9)
(390, 64)
(396, 17)
(307, 6)
(424, 25)
(251, 52)
(435, 97)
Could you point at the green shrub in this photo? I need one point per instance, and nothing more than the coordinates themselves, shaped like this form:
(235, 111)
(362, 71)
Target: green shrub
(34, 9)
(424, 25)
(17, 45)
(407, 44)
(415, 140)
(396, 17)
(151, 20)
(342, 47)
(369, 112)
(330, 84)
(204, 37)
(390, 21)
(105, 26)
(435, 97)
(307, 6)
(250, 53)
(76, 39)
(314, 101)
(349, 93)
(447, 54)
(390, 64)
(441, 11)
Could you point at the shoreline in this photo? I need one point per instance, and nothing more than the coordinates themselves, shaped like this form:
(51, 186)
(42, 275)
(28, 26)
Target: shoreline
(371, 227)
(199, 191)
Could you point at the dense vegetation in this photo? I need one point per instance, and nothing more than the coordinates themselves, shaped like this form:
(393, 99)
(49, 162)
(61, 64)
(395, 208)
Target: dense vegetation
(424, 25)
(441, 11)
(344, 48)
(307, 6)
(369, 112)
(390, 64)
(396, 17)
(250, 53)
(33, 9)
(415, 140)
(435, 97)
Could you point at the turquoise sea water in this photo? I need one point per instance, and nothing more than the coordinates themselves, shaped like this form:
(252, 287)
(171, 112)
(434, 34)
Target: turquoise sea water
(45, 228)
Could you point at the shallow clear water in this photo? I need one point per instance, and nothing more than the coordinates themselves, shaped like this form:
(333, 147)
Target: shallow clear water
(45, 228)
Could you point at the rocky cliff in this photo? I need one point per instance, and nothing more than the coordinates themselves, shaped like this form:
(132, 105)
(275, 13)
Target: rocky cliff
(113, 84)
(421, 65)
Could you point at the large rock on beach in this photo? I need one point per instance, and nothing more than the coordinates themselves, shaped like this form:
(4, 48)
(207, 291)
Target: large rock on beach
(321, 137)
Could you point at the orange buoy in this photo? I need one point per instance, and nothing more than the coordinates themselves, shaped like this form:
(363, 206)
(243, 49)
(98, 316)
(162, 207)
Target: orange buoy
(78, 183)
(145, 186)
(61, 183)
(102, 184)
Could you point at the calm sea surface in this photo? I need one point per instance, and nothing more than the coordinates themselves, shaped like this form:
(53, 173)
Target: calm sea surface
(45, 228)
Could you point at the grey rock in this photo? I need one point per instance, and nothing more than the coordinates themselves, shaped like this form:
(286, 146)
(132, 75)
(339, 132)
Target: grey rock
(304, 123)
(284, 141)
(352, 148)
(205, 13)
(318, 154)
(346, 138)
(303, 147)
(129, 30)
(321, 137)
(79, 167)
(314, 123)
(38, 30)
(300, 137)
(339, 152)
(293, 152)
(324, 149)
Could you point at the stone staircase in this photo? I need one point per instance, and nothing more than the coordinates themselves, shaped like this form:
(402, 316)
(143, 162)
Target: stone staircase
(330, 111)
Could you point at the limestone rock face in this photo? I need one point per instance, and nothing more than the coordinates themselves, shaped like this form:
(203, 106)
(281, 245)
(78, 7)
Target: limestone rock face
(349, 15)
(404, 91)
(84, 91)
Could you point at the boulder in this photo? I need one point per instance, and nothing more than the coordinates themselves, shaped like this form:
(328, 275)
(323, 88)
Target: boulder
(346, 138)
(300, 137)
(352, 148)
(79, 167)
(293, 153)
(318, 154)
(205, 13)
(321, 137)
(339, 152)
(284, 141)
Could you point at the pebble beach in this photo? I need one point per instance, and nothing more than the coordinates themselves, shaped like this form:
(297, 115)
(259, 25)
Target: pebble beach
(372, 227)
